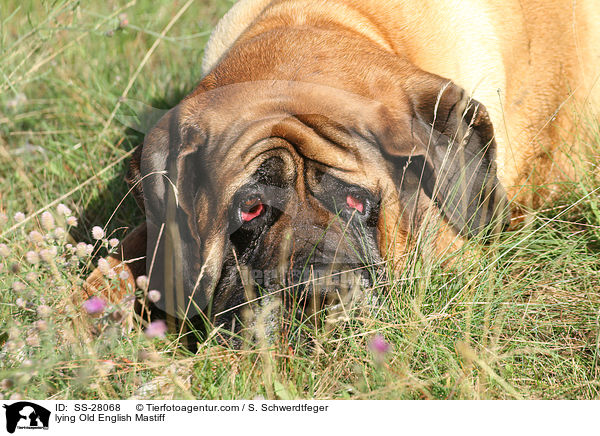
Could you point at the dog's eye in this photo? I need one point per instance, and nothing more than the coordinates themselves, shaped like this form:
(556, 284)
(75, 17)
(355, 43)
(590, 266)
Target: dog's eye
(251, 208)
(355, 201)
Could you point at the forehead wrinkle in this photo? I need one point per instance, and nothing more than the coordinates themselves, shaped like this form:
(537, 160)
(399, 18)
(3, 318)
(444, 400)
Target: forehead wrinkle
(266, 145)
(300, 181)
(235, 141)
(290, 161)
(311, 145)
(297, 167)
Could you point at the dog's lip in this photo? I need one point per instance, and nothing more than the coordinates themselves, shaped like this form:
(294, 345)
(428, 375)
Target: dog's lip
(328, 284)
(328, 271)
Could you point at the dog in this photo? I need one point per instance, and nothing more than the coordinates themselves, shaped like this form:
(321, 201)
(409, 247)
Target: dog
(326, 134)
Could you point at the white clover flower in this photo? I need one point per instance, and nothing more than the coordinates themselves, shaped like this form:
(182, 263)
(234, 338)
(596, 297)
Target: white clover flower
(43, 310)
(72, 221)
(154, 295)
(4, 250)
(81, 249)
(47, 221)
(20, 302)
(41, 325)
(123, 275)
(70, 247)
(31, 276)
(48, 254)
(32, 257)
(59, 233)
(97, 232)
(89, 249)
(63, 210)
(14, 332)
(104, 266)
(33, 340)
(36, 237)
(19, 217)
(112, 274)
(18, 286)
(142, 282)
(3, 219)
(113, 242)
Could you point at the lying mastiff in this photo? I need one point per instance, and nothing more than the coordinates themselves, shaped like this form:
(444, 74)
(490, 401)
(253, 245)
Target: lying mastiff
(326, 134)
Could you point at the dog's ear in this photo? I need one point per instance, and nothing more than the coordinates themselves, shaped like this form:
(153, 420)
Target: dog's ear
(180, 262)
(451, 148)
(134, 177)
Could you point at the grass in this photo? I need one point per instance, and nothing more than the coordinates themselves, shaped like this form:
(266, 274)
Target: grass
(519, 320)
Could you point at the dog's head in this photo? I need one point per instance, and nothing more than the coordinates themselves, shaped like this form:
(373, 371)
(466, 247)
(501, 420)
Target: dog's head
(274, 183)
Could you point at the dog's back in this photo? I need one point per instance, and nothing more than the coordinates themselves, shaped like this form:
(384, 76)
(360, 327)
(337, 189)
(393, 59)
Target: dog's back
(534, 64)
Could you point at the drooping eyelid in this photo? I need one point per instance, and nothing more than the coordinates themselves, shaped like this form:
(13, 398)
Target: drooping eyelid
(332, 193)
(332, 184)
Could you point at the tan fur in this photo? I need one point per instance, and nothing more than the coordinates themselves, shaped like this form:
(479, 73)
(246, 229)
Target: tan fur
(534, 64)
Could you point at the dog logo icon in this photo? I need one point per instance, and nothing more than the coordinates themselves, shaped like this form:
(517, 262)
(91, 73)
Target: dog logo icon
(26, 415)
